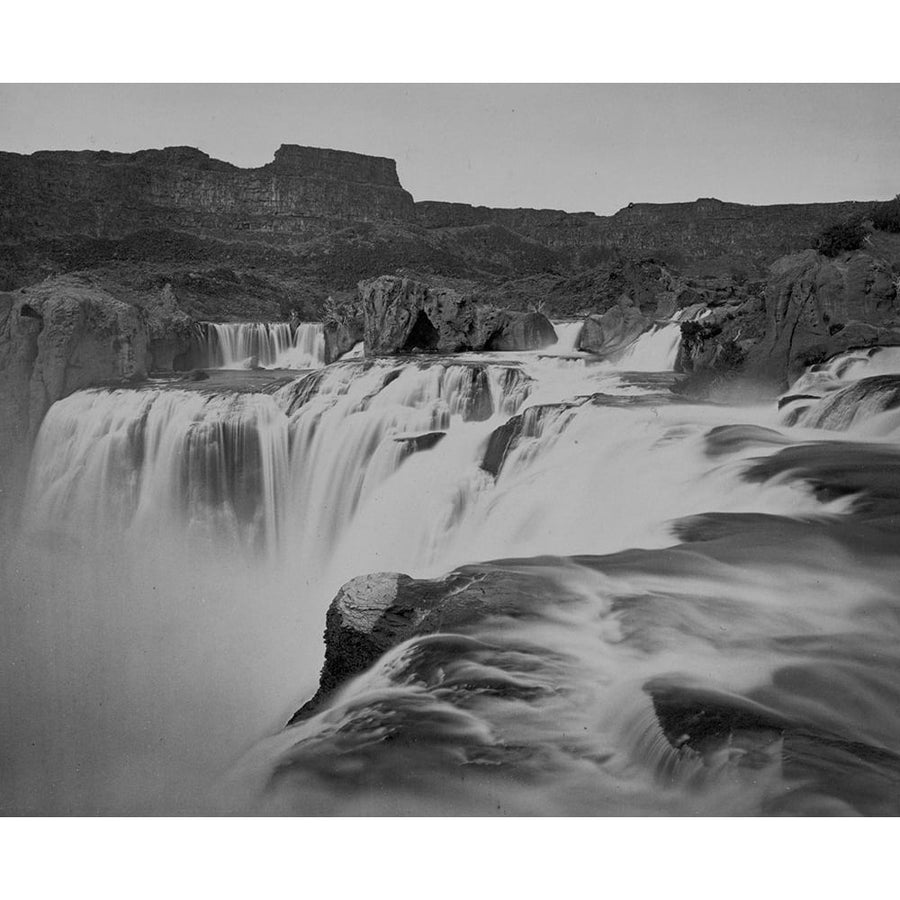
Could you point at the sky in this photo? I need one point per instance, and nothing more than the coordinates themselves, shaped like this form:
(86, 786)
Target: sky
(572, 147)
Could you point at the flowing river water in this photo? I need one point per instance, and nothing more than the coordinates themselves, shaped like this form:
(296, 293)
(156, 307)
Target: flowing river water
(709, 619)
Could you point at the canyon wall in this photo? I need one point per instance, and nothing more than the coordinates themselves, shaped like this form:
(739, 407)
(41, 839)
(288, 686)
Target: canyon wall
(306, 192)
(704, 229)
(102, 194)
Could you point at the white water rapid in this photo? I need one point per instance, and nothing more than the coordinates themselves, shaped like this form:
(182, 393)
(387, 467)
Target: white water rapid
(180, 547)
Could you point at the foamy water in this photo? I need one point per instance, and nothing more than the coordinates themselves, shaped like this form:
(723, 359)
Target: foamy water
(181, 548)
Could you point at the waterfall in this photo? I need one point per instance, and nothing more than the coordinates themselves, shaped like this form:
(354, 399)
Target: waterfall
(654, 351)
(847, 367)
(155, 460)
(236, 466)
(567, 334)
(269, 345)
(855, 391)
(181, 546)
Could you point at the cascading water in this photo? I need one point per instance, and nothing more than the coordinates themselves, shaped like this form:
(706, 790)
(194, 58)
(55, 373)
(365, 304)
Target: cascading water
(567, 335)
(267, 345)
(654, 351)
(858, 390)
(181, 547)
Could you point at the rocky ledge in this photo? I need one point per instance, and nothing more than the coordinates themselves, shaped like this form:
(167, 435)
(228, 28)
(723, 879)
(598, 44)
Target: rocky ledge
(810, 308)
(372, 614)
(68, 333)
(403, 315)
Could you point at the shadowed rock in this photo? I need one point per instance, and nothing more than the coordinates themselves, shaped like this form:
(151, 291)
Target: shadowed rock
(373, 613)
(403, 315)
(416, 442)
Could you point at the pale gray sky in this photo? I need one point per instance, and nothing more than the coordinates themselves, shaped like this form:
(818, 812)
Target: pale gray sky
(573, 147)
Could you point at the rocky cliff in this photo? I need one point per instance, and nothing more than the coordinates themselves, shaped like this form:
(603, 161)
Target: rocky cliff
(706, 231)
(314, 222)
(809, 308)
(403, 315)
(69, 333)
(109, 195)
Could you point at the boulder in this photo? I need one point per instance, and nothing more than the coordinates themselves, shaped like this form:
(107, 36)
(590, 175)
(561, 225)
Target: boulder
(170, 330)
(343, 327)
(341, 337)
(404, 315)
(372, 614)
(526, 424)
(524, 331)
(415, 443)
(613, 330)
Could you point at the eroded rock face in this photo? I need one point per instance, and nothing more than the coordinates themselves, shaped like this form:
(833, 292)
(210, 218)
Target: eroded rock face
(373, 613)
(403, 315)
(104, 194)
(817, 307)
(66, 334)
(811, 308)
(614, 330)
(343, 335)
(170, 330)
(524, 331)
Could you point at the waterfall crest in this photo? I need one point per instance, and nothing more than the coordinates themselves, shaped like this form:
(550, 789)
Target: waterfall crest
(268, 345)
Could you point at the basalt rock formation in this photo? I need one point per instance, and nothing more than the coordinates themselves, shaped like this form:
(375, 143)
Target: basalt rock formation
(613, 330)
(241, 243)
(372, 614)
(816, 307)
(66, 334)
(810, 308)
(109, 195)
(403, 315)
(706, 230)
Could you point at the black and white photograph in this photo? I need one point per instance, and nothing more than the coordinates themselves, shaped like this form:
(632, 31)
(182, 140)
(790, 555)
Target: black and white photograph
(449, 449)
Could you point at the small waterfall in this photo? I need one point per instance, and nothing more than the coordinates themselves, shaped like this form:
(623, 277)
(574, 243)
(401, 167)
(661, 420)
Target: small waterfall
(654, 351)
(269, 345)
(846, 368)
(567, 334)
(357, 351)
(869, 407)
(855, 391)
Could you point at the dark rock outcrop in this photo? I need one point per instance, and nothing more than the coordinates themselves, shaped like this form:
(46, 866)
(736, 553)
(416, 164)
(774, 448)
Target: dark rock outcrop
(239, 244)
(66, 334)
(529, 423)
(372, 614)
(104, 194)
(344, 328)
(169, 329)
(614, 330)
(414, 443)
(706, 230)
(816, 307)
(706, 722)
(524, 331)
(403, 315)
(811, 308)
